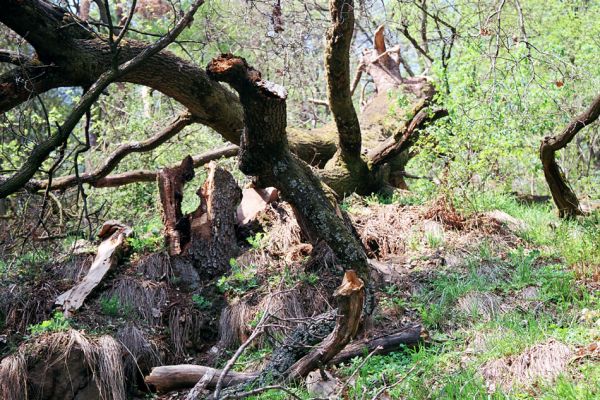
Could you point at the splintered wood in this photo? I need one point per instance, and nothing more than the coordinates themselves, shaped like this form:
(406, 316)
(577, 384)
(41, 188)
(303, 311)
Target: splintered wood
(114, 235)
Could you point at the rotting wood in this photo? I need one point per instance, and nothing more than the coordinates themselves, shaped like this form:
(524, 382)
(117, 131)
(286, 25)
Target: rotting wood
(113, 235)
(170, 188)
(204, 239)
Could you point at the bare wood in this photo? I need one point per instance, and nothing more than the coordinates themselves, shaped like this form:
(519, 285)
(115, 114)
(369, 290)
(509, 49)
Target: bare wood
(114, 234)
(171, 377)
(350, 296)
(564, 197)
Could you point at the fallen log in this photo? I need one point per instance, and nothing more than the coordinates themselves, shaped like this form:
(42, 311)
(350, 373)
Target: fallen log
(411, 336)
(185, 376)
(166, 378)
(114, 235)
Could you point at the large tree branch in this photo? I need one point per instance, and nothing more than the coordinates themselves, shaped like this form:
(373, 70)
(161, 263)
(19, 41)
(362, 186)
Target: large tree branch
(80, 56)
(564, 197)
(337, 67)
(41, 152)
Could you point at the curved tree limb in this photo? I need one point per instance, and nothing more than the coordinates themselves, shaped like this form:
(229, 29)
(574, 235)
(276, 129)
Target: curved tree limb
(264, 153)
(337, 67)
(564, 197)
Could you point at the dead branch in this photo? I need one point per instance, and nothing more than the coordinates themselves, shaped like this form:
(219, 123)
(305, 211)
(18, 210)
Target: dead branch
(114, 235)
(350, 297)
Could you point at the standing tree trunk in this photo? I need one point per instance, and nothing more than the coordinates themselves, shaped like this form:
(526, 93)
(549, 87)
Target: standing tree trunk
(564, 197)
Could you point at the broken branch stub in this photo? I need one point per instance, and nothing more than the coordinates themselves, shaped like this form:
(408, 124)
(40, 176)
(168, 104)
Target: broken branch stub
(350, 297)
(114, 235)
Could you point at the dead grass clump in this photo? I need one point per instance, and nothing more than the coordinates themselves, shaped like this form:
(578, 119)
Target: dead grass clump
(285, 310)
(283, 231)
(444, 212)
(147, 298)
(233, 324)
(24, 305)
(156, 266)
(543, 361)
(63, 366)
(73, 268)
(185, 327)
(383, 228)
(13, 382)
(140, 353)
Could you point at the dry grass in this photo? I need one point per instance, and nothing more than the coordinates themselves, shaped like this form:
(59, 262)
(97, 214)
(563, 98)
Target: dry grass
(61, 361)
(544, 361)
(487, 305)
(140, 353)
(146, 297)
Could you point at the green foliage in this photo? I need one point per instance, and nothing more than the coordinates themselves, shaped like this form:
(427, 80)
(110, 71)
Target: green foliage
(240, 280)
(147, 237)
(57, 323)
(201, 302)
(257, 241)
(110, 306)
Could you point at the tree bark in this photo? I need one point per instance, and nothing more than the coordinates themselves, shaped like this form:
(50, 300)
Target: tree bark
(172, 377)
(205, 238)
(564, 197)
(264, 153)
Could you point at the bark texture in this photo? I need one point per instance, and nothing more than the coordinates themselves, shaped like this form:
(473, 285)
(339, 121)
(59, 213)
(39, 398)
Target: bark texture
(264, 153)
(564, 197)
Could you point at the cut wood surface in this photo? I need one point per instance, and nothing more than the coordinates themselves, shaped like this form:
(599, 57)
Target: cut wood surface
(350, 296)
(114, 235)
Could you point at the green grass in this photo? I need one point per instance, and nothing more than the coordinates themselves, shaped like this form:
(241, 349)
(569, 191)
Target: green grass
(555, 257)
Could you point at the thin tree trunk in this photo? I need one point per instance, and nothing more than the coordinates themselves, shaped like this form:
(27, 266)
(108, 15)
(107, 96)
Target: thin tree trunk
(564, 197)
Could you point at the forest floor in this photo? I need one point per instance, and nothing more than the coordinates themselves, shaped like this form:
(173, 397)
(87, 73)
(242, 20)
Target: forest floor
(506, 292)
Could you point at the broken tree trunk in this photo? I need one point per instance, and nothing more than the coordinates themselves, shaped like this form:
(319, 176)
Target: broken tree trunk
(350, 298)
(113, 235)
(205, 238)
(410, 336)
(264, 153)
(564, 197)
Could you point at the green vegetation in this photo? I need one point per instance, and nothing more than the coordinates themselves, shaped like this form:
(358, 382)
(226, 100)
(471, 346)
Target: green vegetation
(57, 323)
(240, 280)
